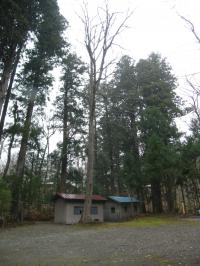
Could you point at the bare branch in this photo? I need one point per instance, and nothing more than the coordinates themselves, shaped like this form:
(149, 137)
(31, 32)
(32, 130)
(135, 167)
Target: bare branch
(195, 99)
(191, 25)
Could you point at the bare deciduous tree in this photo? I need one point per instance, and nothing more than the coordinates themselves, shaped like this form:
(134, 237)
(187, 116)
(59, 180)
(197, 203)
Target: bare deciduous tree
(100, 33)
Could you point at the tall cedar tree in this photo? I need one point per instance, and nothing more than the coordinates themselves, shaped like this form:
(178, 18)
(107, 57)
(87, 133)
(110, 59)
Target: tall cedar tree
(69, 112)
(126, 91)
(118, 142)
(35, 78)
(159, 108)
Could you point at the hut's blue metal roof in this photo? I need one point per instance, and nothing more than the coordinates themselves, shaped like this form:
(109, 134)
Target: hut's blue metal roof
(123, 199)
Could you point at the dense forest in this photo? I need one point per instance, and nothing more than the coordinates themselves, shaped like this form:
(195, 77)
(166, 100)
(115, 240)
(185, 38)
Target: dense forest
(132, 147)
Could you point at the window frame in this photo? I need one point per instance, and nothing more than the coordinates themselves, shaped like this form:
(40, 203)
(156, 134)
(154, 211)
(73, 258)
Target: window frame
(80, 208)
(92, 208)
(112, 210)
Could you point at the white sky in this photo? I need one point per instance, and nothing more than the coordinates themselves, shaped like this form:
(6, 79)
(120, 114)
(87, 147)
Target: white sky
(153, 27)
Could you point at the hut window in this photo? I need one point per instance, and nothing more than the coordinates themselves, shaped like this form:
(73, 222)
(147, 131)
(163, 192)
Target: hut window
(125, 208)
(78, 210)
(112, 209)
(94, 210)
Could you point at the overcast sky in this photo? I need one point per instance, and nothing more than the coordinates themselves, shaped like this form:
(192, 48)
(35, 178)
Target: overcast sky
(154, 27)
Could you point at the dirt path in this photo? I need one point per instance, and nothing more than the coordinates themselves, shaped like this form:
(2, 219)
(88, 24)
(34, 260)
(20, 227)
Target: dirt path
(55, 245)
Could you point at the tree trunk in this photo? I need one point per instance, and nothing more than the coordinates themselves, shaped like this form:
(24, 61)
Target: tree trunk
(95, 144)
(141, 195)
(117, 172)
(22, 155)
(39, 172)
(5, 80)
(58, 174)
(184, 211)
(1, 147)
(137, 166)
(47, 168)
(170, 195)
(156, 196)
(9, 155)
(196, 192)
(29, 197)
(62, 186)
(5, 106)
(86, 216)
(13, 133)
(37, 159)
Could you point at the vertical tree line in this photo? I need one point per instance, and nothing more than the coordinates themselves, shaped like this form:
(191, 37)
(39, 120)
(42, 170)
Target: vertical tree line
(111, 135)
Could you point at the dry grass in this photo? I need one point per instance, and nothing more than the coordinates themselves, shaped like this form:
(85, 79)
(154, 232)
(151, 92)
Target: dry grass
(135, 222)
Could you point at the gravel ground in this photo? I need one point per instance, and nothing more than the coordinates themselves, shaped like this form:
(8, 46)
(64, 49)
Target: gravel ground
(48, 244)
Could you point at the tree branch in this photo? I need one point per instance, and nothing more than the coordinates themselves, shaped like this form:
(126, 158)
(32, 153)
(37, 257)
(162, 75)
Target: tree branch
(191, 27)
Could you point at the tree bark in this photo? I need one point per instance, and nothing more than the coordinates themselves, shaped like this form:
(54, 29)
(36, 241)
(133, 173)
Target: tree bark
(22, 156)
(5, 106)
(13, 133)
(184, 211)
(9, 155)
(24, 141)
(1, 147)
(196, 192)
(170, 195)
(64, 161)
(39, 172)
(156, 196)
(30, 196)
(86, 216)
(135, 151)
(4, 83)
(8, 65)
(47, 168)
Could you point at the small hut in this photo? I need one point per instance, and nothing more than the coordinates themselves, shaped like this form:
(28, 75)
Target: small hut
(69, 207)
(120, 208)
